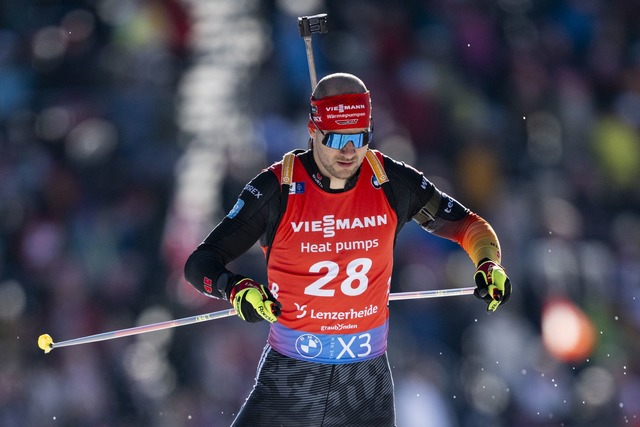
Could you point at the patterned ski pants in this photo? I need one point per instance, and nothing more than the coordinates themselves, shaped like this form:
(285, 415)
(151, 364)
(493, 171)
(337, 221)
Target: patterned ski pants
(296, 393)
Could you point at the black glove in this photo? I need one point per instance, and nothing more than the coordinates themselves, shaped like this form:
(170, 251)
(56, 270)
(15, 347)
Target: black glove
(254, 302)
(493, 285)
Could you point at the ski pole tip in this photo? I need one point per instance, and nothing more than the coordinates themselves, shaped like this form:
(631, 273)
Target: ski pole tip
(45, 342)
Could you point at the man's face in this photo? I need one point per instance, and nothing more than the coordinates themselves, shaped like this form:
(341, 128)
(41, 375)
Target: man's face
(338, 164)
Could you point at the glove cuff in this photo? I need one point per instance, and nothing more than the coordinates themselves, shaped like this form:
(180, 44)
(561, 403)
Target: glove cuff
(483, 260)
(238, 286)
(232, 286)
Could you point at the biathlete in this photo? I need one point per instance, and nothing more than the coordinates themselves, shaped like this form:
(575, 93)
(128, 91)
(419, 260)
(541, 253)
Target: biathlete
(327, 219)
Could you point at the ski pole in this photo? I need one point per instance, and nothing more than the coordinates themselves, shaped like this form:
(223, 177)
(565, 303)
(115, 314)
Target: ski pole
(45, 342)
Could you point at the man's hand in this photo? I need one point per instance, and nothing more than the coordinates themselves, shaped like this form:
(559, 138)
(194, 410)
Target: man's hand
(253, 302)
(493, 285)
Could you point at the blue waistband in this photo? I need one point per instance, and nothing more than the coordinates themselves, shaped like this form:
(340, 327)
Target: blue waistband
(329, 348)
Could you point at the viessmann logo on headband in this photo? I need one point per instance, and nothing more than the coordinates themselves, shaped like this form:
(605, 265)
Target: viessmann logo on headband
(340, 111)
(342, 108)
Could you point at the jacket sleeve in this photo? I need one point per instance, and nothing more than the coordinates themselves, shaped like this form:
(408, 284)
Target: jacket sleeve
(239, 230)
(441, 214)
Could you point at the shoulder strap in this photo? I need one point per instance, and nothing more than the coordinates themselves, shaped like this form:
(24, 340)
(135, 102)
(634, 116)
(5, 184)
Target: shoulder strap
(287, 168)
(376, 165)
(286, 178)
(381, 176)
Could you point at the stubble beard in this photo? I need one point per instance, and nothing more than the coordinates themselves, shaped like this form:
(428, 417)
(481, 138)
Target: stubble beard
(341, 173)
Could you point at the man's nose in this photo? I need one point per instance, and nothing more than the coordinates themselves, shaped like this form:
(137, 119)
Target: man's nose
(349, 148)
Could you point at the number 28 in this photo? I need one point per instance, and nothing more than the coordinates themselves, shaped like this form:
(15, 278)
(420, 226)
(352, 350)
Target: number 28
(355, 283)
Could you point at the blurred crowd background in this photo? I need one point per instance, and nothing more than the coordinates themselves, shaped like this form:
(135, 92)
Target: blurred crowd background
(129, 127)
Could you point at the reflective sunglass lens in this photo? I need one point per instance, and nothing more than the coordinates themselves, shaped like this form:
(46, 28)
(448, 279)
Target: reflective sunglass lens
(339, 140)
